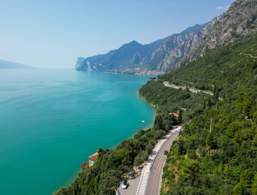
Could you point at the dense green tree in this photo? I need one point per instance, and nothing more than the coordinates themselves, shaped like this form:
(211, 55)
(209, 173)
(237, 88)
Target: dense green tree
(217, 151)
(254, 185)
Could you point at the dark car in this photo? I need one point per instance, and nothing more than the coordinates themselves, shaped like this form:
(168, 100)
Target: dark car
(131, 175)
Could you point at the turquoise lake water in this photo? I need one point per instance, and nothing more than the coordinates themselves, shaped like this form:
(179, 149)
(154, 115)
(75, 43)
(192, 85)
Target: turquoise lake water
(51, 120)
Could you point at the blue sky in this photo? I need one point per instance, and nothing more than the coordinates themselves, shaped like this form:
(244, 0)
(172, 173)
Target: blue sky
(53, 33)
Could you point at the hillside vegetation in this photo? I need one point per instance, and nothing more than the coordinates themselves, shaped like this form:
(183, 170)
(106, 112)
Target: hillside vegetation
(217, 151)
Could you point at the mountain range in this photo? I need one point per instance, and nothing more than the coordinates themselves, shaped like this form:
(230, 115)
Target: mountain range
(171, 52)
(10, 65)
(133, 57)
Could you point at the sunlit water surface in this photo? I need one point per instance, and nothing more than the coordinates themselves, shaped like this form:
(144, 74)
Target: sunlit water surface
(51, 120)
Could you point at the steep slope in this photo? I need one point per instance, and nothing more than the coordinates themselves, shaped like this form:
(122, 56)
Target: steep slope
(174, 48)
(217, 151)
(8, 65)
(238, 21)
(135, 57)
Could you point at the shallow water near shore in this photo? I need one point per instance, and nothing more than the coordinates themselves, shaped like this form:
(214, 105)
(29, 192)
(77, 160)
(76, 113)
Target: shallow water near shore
(51, 120)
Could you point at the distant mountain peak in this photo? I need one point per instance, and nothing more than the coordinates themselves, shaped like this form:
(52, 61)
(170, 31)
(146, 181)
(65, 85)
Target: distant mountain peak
(131, 44)
(134, 43)
(194, 28)
(4, 64)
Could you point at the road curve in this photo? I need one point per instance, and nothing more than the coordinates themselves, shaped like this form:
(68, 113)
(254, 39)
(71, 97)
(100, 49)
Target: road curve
(154, 180)
(149, 182)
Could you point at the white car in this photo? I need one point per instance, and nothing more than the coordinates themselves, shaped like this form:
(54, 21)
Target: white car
(124, 185)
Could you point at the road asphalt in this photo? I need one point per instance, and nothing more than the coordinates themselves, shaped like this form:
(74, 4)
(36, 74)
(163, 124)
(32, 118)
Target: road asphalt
(154, 181)
(149, 182)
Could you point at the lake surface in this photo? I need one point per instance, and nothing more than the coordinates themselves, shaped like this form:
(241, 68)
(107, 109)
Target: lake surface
(52, 120)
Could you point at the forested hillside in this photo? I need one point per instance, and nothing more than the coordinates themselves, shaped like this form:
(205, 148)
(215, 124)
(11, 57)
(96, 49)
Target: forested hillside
(217, 151)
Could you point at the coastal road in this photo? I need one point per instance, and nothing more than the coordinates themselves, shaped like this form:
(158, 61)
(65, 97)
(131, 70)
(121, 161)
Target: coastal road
(191, 89)
(154, 181)
(149, 182)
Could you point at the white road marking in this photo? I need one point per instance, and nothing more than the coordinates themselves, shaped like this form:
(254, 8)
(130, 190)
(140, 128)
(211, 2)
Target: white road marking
(145, 174)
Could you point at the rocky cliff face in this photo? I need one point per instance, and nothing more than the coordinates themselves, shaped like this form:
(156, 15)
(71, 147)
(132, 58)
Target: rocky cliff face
(240, 20)
(168, 53)
(176, 47)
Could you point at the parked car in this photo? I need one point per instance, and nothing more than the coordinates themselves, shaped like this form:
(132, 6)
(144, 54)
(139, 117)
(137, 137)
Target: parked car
(124, 185)
(131, 175)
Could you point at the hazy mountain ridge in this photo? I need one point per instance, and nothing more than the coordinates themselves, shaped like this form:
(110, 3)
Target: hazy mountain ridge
(163, 55)
(9, 65)
(136, 57)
